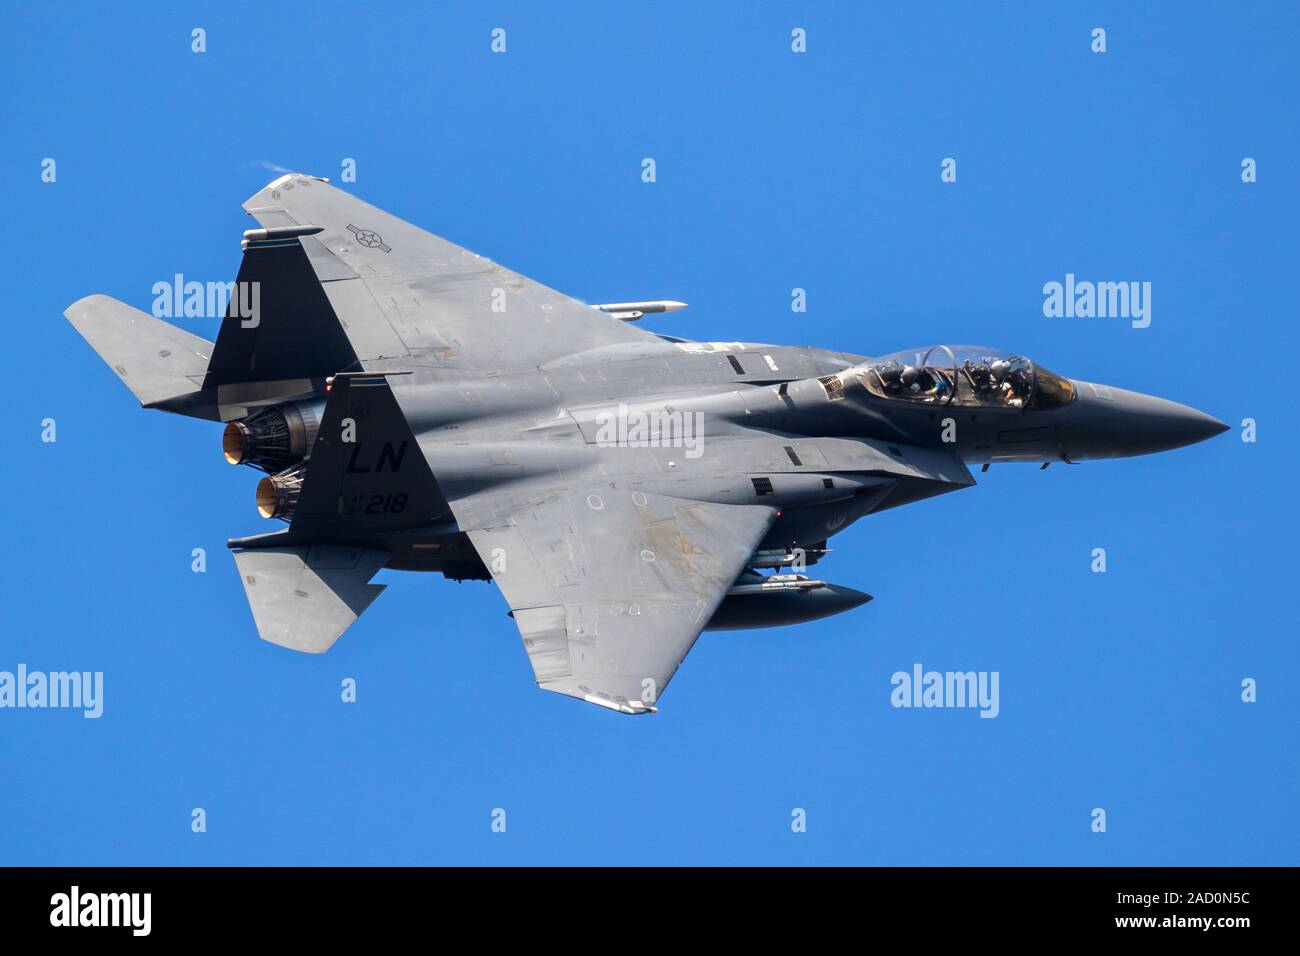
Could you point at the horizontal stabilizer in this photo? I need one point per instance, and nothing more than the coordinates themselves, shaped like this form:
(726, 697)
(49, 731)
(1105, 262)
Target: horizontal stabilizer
(155, 359)
(304, 598)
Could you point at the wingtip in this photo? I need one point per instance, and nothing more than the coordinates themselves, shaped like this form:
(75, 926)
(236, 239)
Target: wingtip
(609, 698)
(85, 303)
(633, 708)
(263, 197)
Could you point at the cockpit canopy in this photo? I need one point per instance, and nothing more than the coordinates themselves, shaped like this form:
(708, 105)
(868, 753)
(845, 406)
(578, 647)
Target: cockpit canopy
(963, 375)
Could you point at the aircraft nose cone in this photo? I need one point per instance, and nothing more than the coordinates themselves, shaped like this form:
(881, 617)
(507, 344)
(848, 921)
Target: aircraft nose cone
(1155, 424)
(1118, 423)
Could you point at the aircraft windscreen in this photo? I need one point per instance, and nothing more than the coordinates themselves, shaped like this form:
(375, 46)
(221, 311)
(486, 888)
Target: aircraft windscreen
(1050, 389)
(966, 375)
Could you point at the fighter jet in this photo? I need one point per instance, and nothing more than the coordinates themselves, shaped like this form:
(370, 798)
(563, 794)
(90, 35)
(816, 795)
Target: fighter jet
(418, 407)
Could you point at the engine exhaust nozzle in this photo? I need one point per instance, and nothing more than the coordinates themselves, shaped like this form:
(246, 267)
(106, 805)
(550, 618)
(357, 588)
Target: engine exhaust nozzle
(277, 495)
(273, 438)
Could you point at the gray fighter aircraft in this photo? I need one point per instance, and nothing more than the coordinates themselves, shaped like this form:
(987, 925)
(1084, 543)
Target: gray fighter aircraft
(418, 407)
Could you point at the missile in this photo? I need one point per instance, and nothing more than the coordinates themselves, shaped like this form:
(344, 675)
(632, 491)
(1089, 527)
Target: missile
(631, 311)
(758, 584)
(276, 235)
(281, 232)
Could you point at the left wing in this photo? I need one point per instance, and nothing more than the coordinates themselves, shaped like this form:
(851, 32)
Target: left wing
(610, 587)
(400, 292)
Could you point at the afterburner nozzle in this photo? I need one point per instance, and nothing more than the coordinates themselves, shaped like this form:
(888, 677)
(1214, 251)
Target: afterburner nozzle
(235, 443)
(277, 495)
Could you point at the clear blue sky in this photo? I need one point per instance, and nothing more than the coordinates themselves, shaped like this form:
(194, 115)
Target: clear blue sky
(775, 171)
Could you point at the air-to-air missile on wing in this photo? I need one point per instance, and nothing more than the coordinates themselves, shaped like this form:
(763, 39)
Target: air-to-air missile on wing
(418, 407)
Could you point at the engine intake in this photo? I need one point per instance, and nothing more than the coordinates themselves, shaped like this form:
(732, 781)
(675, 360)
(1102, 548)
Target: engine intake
(277, 495)
(273, 438)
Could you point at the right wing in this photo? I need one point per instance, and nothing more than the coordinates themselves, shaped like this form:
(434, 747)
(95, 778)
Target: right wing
(402, 293)
(610, 587)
